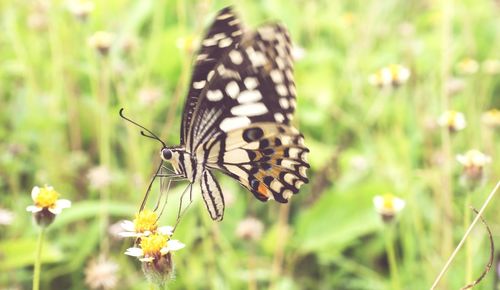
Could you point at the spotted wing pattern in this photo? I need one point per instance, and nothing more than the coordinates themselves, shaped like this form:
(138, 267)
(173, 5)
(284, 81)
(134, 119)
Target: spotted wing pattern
(252, 83)
(266, 158)
(223, 35)
(241, 123)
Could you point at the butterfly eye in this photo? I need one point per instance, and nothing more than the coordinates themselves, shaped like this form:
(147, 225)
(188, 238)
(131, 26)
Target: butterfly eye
(166, 154)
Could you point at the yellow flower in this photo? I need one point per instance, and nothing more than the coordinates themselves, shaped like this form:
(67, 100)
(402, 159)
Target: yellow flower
(388, 206)
(47, 198)
(153, 247)
(468, 66)
(453, 120)
(144, 224)
(491, 118)
(392, 75)
(46, 205)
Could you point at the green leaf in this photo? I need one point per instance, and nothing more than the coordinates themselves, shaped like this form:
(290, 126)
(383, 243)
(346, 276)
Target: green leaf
(18, 253)
(335, 222)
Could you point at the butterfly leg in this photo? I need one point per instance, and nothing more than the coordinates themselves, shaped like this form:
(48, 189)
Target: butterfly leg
(181, 211)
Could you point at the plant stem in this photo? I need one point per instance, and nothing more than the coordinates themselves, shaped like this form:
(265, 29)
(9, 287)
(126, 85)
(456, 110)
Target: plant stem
(467, 233)
(391, 257)
(468, 245)
(38, 260)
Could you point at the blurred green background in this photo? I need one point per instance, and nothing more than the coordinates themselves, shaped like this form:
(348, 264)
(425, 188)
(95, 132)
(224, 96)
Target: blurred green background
(59, 125)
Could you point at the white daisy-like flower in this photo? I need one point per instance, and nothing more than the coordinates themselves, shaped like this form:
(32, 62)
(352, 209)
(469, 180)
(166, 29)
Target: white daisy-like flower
(468, 66)
(154, 247)
(388, 206)
(101, 41)
(473, 162)
(491, 66)
(47, 198)
(473, 158)
(144, 224)
(453, 120)
(80, 8)
(392, 75)
(491, 118)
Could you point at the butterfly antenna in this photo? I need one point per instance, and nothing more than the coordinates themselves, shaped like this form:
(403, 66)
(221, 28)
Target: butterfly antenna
(149, 135)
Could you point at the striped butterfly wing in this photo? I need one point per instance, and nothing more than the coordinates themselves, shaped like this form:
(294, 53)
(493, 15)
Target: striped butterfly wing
(241, 123)
(222, 36)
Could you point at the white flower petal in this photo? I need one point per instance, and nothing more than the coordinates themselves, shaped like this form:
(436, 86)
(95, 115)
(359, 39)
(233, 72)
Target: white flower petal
(399, 204)
(55, 210)
(166, 230)
(128, 226)
(378, 201)
(174, 245)
(63, 203)
(33, 208)
(148, 259)
(129, 234)
(35, 192)
(134, 252)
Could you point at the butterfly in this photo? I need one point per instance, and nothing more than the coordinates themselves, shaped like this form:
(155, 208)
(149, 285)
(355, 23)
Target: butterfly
(237, 115)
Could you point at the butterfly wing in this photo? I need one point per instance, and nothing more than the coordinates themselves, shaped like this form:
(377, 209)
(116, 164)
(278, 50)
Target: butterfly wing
(222, 36)
(241, 124)
(252, 83)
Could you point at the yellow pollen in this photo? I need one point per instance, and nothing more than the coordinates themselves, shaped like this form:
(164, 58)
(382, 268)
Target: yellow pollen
(47, 197)
(152, 245)
(389, 201)
(452, 118)
(146, 220)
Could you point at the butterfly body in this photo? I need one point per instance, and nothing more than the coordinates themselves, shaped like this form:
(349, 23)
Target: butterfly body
(237, 115)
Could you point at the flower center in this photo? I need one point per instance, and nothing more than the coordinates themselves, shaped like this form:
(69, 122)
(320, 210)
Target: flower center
(152, 245)
(388, 202)
(146, 220)
(452, 118)
(47, 197)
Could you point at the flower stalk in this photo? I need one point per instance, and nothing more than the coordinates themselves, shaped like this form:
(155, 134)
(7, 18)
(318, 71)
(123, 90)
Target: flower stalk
(38, 259)
(391, 257)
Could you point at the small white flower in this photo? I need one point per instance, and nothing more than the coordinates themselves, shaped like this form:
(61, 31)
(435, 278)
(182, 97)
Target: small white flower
(491, 118)
(453, 120)
(388, 206)
(392, 75)
(47, 198)
(468, 66)
(154, 247)
(491, 66)
(6, 217)
(145, 224)
(473, 158)
(80, 8)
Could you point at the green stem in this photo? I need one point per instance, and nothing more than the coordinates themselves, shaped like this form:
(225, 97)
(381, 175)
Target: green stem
(38, 260)
(468, 245)
(391, 257)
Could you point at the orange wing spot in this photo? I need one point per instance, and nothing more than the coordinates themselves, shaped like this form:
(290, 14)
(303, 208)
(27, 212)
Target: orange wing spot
(263, 190)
